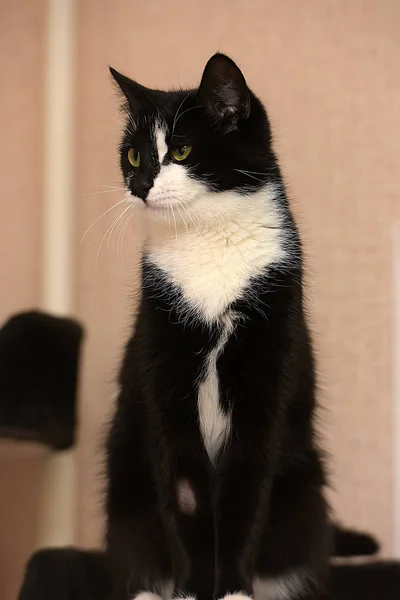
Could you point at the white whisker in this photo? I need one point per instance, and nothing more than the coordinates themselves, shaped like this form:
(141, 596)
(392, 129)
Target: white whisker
(182, 217)
(185, 210)
(102, 240)
(249, 175)
(177, 112)
(117, 223)
(186, 111)
(111, 191)
(128, 226)
(98, 219)
(112, 187)
(173, 216)
(252, 172)
(123, 230)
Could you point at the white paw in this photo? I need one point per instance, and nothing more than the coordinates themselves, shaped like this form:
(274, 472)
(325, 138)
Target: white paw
(147, 596)
(237, 596)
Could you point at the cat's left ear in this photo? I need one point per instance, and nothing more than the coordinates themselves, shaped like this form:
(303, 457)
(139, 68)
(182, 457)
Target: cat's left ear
(224, 93)
(138, 96)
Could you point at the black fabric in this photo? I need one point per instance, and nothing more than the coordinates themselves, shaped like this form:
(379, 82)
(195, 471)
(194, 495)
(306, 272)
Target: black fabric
(65, 574)
(372, 581)
(39, 356)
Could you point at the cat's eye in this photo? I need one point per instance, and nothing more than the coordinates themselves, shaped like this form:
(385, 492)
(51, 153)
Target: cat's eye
(134, 157)
(181, 153)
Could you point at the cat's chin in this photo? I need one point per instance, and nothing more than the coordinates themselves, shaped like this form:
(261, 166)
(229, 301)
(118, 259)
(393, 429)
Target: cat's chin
(169, 214)
(161, 212)
(153, 210)
(149, 210)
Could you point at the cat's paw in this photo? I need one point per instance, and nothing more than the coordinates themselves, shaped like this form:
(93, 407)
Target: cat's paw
(146, 596)
(237, 596)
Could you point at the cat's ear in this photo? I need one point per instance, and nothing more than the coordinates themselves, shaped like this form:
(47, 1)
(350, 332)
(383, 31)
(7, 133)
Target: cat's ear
(137, 96)
(224, 93)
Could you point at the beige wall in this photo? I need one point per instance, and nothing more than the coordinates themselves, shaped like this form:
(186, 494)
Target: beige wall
(22, 25)
(328, 72)
(21, 471)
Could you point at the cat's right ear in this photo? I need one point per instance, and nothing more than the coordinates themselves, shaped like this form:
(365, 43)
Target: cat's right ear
(135, 94)
(224, 93)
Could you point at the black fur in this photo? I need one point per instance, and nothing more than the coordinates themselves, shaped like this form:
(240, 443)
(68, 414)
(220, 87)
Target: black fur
(261, 508)
(349, 542)
(39, 356)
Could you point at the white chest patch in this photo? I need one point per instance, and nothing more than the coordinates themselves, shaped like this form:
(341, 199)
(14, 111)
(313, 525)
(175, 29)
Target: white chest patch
(212, 264)
(215, 424)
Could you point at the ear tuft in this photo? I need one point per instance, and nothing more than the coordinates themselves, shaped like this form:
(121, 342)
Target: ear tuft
(140, 99)
(224, 93)
(126, 85)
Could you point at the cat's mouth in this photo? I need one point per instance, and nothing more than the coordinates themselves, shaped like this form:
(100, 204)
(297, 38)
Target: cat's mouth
(153, 206)
(159, 205)
(163, 209)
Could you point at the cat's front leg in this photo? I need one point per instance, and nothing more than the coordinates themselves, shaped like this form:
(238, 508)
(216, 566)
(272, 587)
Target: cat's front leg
(185, 498)
(241, 510)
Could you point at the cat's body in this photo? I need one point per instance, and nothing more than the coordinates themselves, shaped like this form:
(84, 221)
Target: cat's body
(215, 482)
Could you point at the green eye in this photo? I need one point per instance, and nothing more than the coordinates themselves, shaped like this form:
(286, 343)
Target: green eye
(181, 153)
(134, 157)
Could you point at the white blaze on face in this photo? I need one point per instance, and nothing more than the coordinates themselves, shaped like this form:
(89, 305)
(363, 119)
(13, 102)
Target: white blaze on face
(161, 144)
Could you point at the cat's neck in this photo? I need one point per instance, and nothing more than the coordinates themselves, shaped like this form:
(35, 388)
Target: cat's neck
(212, 261)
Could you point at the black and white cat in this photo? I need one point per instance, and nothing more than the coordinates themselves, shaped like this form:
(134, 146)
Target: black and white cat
(215, 483)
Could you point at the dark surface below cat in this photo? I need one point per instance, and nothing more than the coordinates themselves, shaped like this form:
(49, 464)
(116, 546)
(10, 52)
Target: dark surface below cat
(215, 481)
(72, 574)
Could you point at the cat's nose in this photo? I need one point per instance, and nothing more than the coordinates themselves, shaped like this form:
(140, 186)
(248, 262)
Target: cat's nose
(141, 188)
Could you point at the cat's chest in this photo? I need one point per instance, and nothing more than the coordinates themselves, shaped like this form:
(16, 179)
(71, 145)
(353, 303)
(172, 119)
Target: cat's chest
(213, 268)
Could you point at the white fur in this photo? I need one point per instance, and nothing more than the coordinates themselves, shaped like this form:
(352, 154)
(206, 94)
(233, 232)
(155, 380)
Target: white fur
(173, 190)
(228, 242)
(186, 497)
(215, 425)
(147, 596)
(286, 587)
(167, 590)
(161, 144)
(237, 596)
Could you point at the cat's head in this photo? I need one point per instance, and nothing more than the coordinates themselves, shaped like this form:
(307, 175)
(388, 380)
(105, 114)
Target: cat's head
(192, 153)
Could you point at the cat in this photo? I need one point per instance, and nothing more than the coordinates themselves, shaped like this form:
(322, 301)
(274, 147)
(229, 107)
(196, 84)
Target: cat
(215, 480)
